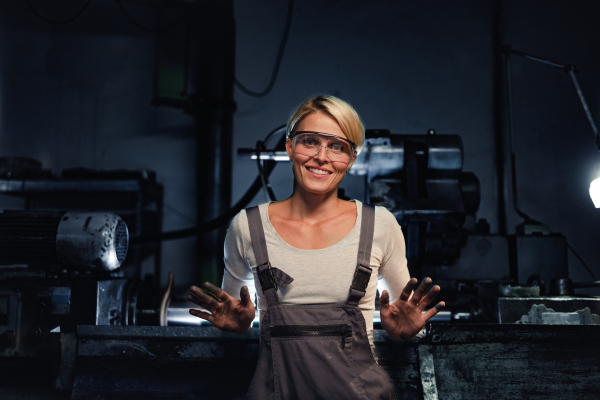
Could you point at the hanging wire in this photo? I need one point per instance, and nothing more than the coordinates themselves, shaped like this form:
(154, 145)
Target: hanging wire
(279, 129)
(267, 189)
(262, 145)
(509, 117)
(179, 213)
(57, 22)
(145, 28)
(286, 32)
(207, 226)
(585, 106)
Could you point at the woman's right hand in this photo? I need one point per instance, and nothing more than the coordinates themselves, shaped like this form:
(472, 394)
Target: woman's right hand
(227, 313)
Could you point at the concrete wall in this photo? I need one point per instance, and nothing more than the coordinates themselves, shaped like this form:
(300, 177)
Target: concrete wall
(78, 95)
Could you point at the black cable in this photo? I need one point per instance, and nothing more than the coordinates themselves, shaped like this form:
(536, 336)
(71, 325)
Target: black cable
(581, 260)
(286, 31)
(273, 132)
(260, 145)
(221, 219)
(208, 225)
(265, 181)
(55, 22)
(144, 28)
(510, 129)
(179, 213)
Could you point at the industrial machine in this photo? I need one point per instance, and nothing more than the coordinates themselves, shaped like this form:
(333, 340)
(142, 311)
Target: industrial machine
(420, 179)
(64, 269)
(57, 272)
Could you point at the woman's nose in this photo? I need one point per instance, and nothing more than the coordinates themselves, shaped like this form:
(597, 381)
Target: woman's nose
(322, 154)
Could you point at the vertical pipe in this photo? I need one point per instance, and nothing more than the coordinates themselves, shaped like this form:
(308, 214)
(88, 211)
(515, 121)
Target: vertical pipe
(214, 108)
(499, 120)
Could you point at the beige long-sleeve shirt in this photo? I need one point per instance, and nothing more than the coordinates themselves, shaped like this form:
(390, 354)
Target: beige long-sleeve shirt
(323, 275)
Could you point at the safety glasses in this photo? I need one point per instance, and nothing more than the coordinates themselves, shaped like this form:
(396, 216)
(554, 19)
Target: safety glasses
(309, 143)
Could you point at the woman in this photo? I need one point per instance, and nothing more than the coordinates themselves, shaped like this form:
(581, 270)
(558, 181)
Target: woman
(315, 262)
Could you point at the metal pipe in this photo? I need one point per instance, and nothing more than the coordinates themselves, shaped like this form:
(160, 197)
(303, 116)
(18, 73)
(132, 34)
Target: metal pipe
(213, 80)
(499, 122)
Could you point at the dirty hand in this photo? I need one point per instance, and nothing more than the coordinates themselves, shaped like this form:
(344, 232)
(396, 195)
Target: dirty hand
(405, 318)
(226, 313)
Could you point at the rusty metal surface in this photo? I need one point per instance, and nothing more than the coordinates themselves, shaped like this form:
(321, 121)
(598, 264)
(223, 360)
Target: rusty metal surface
(470, 361)
(193, 362)
(162, 333)
(492, 361)
(511, 333)
(143, 344)
(125, 362)
(516, 371)
(401, 361)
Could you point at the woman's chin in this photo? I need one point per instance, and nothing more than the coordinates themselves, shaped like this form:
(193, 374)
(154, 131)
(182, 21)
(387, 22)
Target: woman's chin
(317, 188)
(317, 184)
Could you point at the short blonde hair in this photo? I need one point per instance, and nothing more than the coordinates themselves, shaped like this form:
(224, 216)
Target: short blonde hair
(338, 109)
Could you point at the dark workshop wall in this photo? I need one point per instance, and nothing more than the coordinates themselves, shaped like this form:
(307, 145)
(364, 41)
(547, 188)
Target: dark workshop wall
(78, 95)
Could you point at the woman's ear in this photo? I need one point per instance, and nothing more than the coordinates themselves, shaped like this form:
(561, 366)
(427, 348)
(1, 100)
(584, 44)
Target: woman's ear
(288, 148)
(351, 163)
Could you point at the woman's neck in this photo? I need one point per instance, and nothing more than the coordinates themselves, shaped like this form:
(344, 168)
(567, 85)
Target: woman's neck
(308, 206)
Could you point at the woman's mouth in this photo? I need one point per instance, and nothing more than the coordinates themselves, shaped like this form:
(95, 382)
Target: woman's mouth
(317, 171)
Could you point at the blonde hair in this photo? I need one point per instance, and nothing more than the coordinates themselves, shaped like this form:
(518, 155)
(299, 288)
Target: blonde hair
(338, 109)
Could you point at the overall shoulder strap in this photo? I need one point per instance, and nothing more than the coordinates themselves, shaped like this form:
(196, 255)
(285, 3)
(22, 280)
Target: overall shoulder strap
(257, 234)
(268, 276)
(362, 274)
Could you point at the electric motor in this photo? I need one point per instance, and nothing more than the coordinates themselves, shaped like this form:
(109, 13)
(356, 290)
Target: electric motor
(67, 240)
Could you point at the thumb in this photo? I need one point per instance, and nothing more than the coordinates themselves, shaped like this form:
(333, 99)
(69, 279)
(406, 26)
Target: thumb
(384, 300)
(245, 296)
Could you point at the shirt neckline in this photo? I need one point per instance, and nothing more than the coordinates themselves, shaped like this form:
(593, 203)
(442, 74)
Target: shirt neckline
(273, 231)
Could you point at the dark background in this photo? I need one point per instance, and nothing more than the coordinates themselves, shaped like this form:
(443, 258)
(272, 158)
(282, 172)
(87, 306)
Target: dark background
(79, 95)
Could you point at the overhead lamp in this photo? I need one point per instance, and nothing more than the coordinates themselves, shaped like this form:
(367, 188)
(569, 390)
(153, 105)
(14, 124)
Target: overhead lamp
(570, 69)
(595, 192)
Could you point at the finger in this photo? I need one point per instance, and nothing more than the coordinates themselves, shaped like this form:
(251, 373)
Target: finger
(433, 311)
(245, 296)
(202, 314)
(384, 300)
(407, 291)
(420, 290)
(193, 294)
(199, 292)
(220, 293)
(202, 299)
(195, 290)
(428, 298)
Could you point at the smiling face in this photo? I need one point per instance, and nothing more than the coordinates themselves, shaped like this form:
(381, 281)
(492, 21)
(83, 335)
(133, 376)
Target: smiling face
(317, 174)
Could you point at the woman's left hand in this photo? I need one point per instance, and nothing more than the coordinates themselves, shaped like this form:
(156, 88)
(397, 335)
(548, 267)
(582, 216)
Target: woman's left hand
(405, 318)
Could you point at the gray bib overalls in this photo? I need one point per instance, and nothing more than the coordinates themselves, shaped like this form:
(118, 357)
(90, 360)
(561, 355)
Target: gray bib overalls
(315, 351)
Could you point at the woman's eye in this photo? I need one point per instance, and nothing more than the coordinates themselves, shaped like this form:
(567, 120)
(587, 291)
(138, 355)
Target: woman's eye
(310, 142)
(337, 147)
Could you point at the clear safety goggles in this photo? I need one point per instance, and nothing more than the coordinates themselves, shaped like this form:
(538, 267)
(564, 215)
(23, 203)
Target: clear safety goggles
(309, 143)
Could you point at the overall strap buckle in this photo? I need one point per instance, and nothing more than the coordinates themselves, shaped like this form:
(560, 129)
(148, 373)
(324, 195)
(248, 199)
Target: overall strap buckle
(266, 277)
(362, 275)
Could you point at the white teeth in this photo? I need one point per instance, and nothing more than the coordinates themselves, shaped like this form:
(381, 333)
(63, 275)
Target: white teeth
(318, 171)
